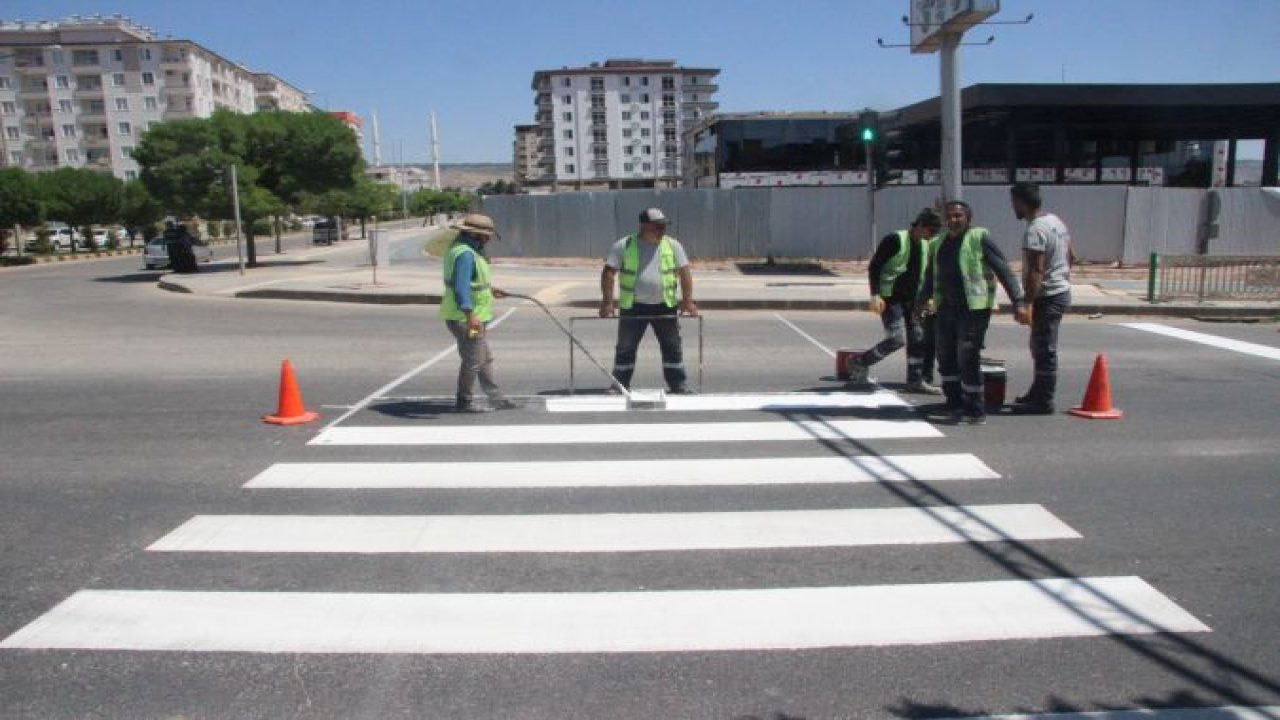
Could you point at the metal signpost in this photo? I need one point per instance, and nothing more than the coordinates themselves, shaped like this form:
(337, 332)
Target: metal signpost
(235, 201)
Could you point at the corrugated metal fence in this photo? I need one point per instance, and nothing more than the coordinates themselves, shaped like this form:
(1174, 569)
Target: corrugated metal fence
(1108, 223)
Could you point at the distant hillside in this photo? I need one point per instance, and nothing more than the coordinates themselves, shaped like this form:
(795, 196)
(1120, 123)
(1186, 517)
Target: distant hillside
(469, 176)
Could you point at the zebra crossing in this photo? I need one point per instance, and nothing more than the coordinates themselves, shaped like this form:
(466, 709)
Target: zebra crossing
(591, 620)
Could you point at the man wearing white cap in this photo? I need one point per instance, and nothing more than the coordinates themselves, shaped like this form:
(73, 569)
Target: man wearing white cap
(649, 268)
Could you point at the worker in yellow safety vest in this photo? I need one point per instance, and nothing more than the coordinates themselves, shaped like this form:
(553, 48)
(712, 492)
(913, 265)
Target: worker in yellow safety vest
(897, 270)
(961, 289)
(655, 283)
(467, 309)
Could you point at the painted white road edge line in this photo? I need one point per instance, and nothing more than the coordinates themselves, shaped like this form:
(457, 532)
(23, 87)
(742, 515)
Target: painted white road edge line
(604, 622)
(1240, 346)
(746, 401)
(817, 343)
(624, 473)
(613, 434)
(613, 532)
(1233, 712)
(364, 402)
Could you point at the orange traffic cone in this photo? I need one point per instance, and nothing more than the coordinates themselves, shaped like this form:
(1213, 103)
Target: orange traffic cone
(289, 411)
(1097, 398)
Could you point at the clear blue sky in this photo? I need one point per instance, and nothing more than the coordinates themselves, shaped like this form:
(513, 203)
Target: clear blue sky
(473, 60)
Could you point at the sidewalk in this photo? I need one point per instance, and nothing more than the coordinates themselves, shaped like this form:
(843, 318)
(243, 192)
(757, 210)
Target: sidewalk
(343, 274)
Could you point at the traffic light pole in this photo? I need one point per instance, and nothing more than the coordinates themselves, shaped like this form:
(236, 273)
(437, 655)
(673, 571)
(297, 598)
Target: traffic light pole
(870, 147)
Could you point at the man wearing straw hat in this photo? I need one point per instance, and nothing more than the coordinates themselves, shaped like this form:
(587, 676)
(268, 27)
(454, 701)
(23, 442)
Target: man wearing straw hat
(649, 267)
(467, 309)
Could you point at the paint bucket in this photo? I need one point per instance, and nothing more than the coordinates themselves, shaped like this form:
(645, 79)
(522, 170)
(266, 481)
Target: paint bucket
(844, 359)
(994, 382)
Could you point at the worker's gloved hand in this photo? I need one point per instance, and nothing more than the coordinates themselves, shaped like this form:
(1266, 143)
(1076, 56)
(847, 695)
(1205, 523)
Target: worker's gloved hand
(608, 309)
(876, 305)
(689, 307)
(475, 328)
(499, 294)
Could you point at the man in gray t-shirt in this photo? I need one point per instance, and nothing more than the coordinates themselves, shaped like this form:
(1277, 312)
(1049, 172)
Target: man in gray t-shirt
(1046, 275)
(654, 281)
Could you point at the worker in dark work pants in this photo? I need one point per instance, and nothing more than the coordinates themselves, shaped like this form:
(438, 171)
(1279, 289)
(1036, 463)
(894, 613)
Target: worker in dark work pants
(655, 284)
(896, 273)
(1046, 276)
(961, 291)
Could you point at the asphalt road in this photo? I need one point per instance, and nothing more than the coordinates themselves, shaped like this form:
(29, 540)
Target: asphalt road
(128, 411)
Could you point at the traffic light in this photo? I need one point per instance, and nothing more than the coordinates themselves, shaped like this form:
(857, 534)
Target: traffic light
(888, 157)
(869, 126)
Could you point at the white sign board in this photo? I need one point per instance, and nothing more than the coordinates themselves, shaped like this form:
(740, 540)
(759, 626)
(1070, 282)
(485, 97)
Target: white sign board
(932, 18)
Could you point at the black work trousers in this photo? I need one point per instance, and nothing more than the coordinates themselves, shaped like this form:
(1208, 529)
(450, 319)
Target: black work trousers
(902, 329)
(632, 324)
(1046, 317)
(961, 335)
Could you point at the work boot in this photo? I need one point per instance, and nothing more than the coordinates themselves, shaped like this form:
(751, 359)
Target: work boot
(859, 374)
(920, 387)
(503, 403)
(974, 412)
(1033, 407)
(681, 390)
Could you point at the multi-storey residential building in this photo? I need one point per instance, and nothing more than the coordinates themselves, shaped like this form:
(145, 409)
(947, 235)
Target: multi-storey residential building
(276, 94)
(617, 124)
(81, 92)
(526, 155)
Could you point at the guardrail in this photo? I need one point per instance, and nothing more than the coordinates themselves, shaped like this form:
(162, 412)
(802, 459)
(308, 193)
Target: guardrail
(1207, 277)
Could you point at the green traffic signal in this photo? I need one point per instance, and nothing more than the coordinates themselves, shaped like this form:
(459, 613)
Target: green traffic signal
(868, 135)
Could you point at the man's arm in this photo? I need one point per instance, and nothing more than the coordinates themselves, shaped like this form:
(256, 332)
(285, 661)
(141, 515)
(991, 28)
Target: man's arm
(463, 268)
(995, 260)
(885, 250)
(1032, 271)
(686, 291)
(607, 277)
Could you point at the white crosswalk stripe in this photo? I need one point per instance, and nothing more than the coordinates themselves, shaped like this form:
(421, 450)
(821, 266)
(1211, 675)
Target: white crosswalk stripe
(643, 433)
(624, 473)
(612, 532)
(712, 403)
(598, 622)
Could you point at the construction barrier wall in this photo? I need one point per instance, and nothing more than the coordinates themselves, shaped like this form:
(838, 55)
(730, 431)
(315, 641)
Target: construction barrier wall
(1108, 223)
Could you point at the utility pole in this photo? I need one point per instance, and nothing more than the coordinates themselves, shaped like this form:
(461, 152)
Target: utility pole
(377, 143)
(949, 65)
(435, 153)
(235, 198)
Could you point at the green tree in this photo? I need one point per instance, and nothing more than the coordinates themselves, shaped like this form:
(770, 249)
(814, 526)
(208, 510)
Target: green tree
(138, 209)
(20, 203)
(81, 198)
(368, 199)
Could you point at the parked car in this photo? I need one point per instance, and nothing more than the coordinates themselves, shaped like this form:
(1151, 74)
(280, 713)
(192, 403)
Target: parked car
(61, 238)
(156, 254)
(327, 231)
(100, 239)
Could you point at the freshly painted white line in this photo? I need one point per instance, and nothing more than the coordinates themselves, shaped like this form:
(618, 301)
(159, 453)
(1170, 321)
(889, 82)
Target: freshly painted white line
(623, 473)
(1240, 346)
(805, 335)
(603, 622)
(764, 401)
(612, 532)
(616, 434)
(1271, 712)
(405, 377)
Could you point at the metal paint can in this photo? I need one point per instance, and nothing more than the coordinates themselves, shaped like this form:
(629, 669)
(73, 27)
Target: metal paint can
(845, 358)
(994, 383)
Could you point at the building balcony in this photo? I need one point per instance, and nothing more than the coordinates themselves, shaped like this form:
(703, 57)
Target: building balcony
(89, 92)
(32, 93)
(700, 88)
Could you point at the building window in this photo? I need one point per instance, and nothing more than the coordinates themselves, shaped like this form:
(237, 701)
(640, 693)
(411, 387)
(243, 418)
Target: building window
(597, 118)
(57, 57)
(4, 82)
(629, 150)
(566, 99)
(73, 156)
(118, 55)
(117, 79)
(600, 135)
(150, 103)
(13, 133)
(597, 83)
(597, 102)
(84, 57)
(566, 82)
(668, 83)
(626, 116)
(668, 101)
(626, 132)
(568, 151)
(567, 117)
(644, 81)
(65, 106)
(669, 134)
(627, 81)
(126, 151)
(7, 108)
(648, 167)
(644, 115)
(122, 104)
(625, 98)
(693, 79)
(629, 167)
(648, 150)
(124, 128)
(146, 53)
(570, 169)
(150, 125)
(15, 157)
(568, 134)
(68, 131)
(695, 97)
(644, 132)
(62, 81)
(148, 78)
(644, 98)
(130, 174)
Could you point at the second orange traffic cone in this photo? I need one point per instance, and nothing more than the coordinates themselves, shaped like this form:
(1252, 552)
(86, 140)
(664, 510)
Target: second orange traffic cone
(1097, 398)
(289, 410)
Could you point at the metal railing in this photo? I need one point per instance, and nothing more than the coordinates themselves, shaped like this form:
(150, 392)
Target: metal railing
(1207, 277)
(573, 351)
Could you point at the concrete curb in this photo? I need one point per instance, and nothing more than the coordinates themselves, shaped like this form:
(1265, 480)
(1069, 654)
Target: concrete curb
(1175, 311)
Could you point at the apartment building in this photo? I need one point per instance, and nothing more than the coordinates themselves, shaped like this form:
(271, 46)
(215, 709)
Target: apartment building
(526, 156)
(81, 92)
(617, 124)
